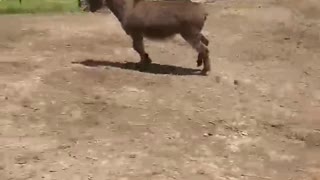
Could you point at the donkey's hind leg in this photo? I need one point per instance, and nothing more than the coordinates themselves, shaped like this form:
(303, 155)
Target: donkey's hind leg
(194, 39)
(205, 41)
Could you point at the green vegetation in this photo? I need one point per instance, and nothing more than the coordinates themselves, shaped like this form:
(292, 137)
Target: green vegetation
(38, 6)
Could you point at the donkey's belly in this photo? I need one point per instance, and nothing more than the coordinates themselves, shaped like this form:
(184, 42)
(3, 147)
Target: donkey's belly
(159, 32)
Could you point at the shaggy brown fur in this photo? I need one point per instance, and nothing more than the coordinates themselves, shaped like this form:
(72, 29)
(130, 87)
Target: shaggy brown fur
(160, 20)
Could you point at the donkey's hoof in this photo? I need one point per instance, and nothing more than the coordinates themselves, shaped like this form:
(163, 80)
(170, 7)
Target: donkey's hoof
(142, 66)
(147, 59)
(199, 60)
(205, 72)
(145, 62)
(199, 63)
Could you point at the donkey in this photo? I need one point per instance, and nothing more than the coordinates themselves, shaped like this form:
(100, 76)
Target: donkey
(159, 20)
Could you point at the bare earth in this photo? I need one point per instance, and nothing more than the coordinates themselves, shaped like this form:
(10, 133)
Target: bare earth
(73, 106)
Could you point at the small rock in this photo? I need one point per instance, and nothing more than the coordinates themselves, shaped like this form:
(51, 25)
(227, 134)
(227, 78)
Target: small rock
(299, 43)
(36, 158)
(201, 172)
(64, 146)
(236, 82)
(244, 133)
(92, 158)
(154, 173)
(306, 73)
(97, 97)
(46, 176)
(132, 156)
(90, 177)
(207, 134)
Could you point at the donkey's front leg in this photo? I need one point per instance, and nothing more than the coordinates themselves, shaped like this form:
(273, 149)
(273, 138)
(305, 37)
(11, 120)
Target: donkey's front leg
(138, 46)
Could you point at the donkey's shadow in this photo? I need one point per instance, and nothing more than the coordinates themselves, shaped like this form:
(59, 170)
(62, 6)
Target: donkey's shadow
(153, 68)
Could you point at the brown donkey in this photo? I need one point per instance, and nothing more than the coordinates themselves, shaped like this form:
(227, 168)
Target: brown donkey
(160, 20)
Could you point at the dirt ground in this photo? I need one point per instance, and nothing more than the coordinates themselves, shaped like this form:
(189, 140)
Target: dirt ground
(73, 106)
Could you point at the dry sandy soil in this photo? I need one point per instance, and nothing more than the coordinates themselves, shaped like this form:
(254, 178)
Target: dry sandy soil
(73, 106)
